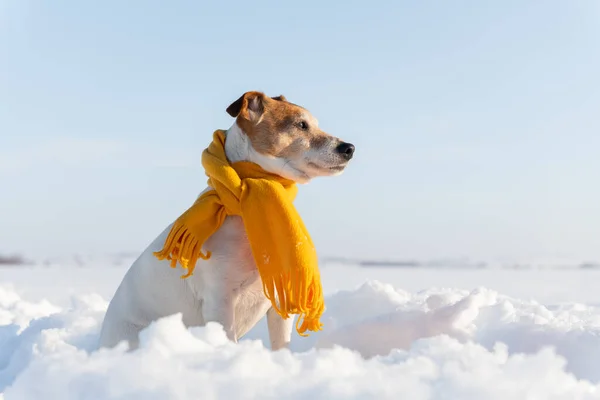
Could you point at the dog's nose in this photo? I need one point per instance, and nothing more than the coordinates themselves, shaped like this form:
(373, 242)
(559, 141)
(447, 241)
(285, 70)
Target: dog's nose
(346, 150)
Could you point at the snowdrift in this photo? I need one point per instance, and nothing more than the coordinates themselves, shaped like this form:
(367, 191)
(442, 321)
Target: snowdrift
(378, 342)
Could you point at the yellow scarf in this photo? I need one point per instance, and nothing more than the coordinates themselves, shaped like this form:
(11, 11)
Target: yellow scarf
(282, 248)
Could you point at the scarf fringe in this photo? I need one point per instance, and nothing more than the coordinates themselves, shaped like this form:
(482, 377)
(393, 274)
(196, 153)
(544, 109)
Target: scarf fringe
(181, 245)
(297, 297)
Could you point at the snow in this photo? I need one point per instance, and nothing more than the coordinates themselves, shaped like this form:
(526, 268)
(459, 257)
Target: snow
(388, 334)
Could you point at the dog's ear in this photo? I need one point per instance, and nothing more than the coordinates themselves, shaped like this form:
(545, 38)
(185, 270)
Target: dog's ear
(250, 106)
(279, 98)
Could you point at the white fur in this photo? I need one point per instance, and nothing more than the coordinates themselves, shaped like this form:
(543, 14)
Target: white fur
(225, 289)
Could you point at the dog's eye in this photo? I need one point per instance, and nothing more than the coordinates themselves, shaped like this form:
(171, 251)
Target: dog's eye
(303, 125)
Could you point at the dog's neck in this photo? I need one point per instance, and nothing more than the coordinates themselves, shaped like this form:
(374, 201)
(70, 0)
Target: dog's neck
(237, 145)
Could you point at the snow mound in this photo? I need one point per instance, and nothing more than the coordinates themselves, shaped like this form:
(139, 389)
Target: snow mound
(378, 342)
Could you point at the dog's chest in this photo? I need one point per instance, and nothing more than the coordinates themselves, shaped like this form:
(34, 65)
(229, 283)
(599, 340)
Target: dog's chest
(231, 254)
(232, 271)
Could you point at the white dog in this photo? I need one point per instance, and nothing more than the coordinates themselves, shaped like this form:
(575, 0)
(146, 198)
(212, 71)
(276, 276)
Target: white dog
(280, 137)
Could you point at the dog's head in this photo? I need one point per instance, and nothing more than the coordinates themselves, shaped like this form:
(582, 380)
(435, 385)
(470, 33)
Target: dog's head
(286, 139)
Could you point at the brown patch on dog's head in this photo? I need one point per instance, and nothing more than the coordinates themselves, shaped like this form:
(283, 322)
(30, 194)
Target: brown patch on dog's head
(275, 126)
(278, 128)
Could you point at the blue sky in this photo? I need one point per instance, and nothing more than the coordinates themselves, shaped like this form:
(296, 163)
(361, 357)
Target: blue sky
(475, 122)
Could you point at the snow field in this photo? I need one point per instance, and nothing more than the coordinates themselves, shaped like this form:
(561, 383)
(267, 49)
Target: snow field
(378, 342)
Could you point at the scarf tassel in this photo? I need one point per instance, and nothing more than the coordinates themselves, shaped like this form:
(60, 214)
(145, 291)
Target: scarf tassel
(282, 296)
(181, 245)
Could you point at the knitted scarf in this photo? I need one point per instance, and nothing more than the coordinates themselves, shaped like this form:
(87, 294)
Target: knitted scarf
(281, 246)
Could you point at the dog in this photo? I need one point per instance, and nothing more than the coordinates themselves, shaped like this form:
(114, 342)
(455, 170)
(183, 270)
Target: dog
(282, 138)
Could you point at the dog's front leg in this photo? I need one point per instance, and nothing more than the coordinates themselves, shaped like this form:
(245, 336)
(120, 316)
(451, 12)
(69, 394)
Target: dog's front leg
(280, 330)
(220, 308)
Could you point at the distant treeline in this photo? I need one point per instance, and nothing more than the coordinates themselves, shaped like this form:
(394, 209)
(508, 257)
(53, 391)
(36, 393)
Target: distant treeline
(395, 264)
(12, 260)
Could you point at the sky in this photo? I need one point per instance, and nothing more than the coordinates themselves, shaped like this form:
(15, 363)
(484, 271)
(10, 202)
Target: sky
(475, 122)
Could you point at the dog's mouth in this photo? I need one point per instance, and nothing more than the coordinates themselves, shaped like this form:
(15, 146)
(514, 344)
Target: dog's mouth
(338, 167)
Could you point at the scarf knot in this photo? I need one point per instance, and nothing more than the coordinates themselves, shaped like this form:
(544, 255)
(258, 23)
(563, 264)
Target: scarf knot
(281, 246)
